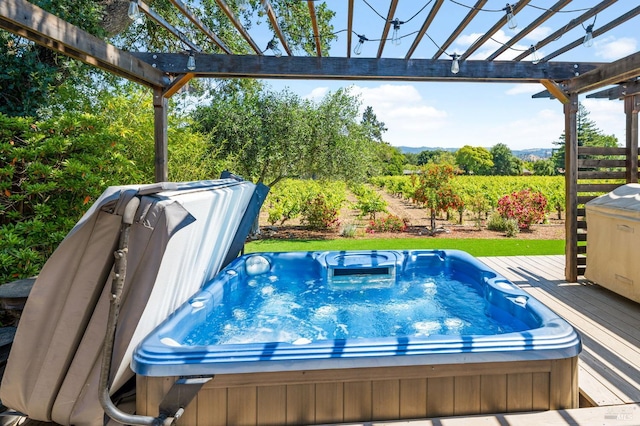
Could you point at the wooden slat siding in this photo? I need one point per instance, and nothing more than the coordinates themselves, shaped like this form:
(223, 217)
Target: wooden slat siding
(519, 392)
(493, 389)
(212, 409)
(609, 324)
(597, 187)
(271, 404)
(583, 199)
(541, 391)
(600, 162)
(242, 406)
(584, 174)
(582, 212)
(440, 396)
(141, 394)
(190, 415)
(581, 224)
(582, 261)
(357, 401)
(601, 150)
(329, 402)
(413, 398)
(301, 404)
(582, 249)
(385, 399)
(466, 395)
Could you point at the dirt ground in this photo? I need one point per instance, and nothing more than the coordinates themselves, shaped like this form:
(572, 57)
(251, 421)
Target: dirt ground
(418, 223)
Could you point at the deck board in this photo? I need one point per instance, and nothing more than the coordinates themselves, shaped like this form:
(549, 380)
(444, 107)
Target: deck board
(609, 366)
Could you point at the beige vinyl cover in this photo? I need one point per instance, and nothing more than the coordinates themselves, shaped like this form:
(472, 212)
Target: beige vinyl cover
(177, 242)
(613, 241)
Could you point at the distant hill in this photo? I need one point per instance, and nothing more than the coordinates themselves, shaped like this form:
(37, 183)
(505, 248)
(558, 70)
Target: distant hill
(525, 154)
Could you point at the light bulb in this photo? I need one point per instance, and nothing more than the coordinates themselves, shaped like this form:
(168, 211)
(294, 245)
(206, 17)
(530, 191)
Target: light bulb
(191, 62)
(535, 57)
(395, 37)
(274, 48)
(511, 17)
(358, 49)
(455, 64)
(588, 37)
(134, 11)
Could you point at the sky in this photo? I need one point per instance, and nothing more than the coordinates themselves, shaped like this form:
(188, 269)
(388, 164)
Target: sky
(451, 114)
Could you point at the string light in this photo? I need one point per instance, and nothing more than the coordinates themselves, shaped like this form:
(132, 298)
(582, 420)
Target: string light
(588, 37)
(273, 46)
(535, 57)
(191, 62)
(395, 38)
(455, 63)
(511, 17)
(134, 10)
(358, 49)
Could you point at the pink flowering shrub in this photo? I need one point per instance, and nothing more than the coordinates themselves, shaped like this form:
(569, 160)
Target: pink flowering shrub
(525, 206)
(390, 223)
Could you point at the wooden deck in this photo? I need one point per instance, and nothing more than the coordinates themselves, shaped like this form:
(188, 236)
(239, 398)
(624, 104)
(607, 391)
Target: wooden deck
(609, 365)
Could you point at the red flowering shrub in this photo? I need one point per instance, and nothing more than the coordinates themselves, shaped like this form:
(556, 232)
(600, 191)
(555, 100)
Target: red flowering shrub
(319, 213)
(525, 206)
(390, 223)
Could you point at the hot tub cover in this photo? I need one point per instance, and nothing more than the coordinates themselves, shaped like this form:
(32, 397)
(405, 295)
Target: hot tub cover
(182, 235)
(613, 222)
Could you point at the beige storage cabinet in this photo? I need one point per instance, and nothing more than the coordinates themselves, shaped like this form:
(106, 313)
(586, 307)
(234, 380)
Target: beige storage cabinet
(613, 249)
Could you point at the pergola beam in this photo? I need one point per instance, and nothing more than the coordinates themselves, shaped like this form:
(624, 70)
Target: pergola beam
(596, 33)
(467, 19)
(27, 20)
(387, 25)
(243, 32)
(618, 92)
(266, 4)
(623, 69)
(314, 25)
(167, 26)
(572, 24)
(349, 28)
(334, 68)
(532, 26)
(423, 29)
(501, 22)
(200, 25)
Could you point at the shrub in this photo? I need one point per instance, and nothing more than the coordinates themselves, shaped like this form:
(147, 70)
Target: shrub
(496, 222)
(318, 213)
(390, 223)
(525, 206)
(511, 228)
(349, 230)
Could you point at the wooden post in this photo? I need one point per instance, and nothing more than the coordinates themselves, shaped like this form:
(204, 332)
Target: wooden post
(631, 106)
(160, 108)
(571, 187)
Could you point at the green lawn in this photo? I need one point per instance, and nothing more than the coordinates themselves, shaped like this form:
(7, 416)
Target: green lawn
(476, 247)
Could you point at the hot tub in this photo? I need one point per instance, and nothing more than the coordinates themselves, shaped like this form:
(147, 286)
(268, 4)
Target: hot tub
(324, 337)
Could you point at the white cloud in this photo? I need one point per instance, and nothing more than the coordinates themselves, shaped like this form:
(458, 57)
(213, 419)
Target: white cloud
(408, 117)
(538, 34)
(611, 48)
(317, 94)
(525, 89)
(535, 131)
(608, 115)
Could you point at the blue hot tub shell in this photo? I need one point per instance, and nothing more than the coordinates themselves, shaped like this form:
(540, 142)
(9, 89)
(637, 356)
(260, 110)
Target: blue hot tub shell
(548, 335)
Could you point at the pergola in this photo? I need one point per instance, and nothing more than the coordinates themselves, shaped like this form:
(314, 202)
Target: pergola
(166, 73)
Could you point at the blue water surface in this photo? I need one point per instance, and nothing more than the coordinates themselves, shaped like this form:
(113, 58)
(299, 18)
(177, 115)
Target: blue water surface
(286, 308)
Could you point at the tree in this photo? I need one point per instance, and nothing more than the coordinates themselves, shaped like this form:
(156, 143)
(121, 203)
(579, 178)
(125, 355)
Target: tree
(504, 162)
(437, 156)
(432, 187)
(474, 160)
(373, 128)
(391, 160)
(588, 134)
(544, 167)
(268, 136)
